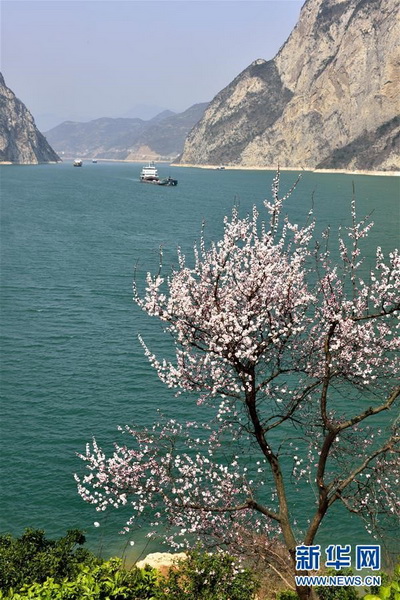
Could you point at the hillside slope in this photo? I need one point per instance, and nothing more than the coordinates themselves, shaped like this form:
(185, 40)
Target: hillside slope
(132, 139)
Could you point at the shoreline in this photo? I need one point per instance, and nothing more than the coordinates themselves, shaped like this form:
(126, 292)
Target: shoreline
(228, 167)
(297, 169)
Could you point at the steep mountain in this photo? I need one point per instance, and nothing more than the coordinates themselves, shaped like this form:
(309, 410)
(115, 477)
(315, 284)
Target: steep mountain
(162, 136)
(329, 98)
(20, 140)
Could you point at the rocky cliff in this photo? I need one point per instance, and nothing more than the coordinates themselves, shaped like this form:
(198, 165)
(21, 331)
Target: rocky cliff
(20, 140)
(329, 99)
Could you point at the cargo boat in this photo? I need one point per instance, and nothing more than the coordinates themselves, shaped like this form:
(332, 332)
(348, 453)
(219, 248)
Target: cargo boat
(149, 174)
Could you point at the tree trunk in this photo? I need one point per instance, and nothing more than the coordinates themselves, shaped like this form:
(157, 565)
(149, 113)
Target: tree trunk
(304, 592)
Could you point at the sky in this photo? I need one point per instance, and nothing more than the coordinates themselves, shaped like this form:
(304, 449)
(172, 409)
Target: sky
(85, 59)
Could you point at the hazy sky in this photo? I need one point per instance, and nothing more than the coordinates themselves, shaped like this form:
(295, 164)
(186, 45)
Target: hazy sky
(84, 59)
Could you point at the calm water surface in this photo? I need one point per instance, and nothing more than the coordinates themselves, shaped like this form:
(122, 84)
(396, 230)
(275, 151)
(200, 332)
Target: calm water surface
(72, 367)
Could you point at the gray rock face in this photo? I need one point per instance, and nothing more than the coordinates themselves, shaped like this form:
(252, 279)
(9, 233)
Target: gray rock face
(237, 115)
(20, 140)
(329, 98)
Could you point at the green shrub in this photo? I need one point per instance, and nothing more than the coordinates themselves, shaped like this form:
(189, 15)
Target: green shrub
(35, 568)
(287, 595)
(345, 592)
(390, 590)
(108, 581)
(33, 558)
(205, 576)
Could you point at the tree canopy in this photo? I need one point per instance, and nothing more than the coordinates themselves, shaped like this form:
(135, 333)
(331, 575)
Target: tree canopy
(296, 355)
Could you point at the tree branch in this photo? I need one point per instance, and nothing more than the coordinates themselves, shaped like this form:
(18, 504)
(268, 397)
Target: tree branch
(369, 411)
(346, 482)
(249, 504)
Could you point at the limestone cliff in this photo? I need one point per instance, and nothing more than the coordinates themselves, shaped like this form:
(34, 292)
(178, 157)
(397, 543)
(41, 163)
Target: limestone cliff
(20, 140)
(328, 98)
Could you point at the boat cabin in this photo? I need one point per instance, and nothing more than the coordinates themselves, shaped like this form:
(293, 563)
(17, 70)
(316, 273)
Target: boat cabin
(149, 173)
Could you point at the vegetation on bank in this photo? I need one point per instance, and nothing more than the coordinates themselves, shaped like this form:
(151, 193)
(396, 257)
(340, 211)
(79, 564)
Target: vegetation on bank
(33, 567)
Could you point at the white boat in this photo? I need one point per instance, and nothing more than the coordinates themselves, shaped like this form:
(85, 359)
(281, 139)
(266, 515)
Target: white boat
(149, 173)
(78, 162)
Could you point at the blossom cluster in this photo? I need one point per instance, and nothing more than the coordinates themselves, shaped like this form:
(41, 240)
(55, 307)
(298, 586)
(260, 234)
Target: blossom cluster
(283, 343)
(192, 491)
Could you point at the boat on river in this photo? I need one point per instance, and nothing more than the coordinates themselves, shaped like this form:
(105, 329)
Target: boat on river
(149, 174)
(167, 181)
(78, 162)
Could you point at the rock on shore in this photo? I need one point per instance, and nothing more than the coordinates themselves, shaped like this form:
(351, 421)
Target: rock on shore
(162, 561)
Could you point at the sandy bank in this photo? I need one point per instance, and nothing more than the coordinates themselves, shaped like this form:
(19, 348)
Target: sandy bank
(50, 162)
(298, 169)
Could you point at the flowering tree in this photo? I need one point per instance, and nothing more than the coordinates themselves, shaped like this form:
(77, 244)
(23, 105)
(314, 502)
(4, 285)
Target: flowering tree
(296, 357)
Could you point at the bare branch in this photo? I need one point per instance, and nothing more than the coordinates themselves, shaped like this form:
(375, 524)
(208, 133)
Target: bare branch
(369, 411)
(336, 493)
(249, 504)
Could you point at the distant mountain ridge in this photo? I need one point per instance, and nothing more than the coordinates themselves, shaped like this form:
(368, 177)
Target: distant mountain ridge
(20, 140)
(146, 112)
(329, 98)
(162, 137)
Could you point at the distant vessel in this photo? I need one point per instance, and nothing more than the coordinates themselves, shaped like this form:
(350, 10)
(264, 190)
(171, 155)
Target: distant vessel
(149, 174)
(94, 161)
(221, 168)
(78, 162)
